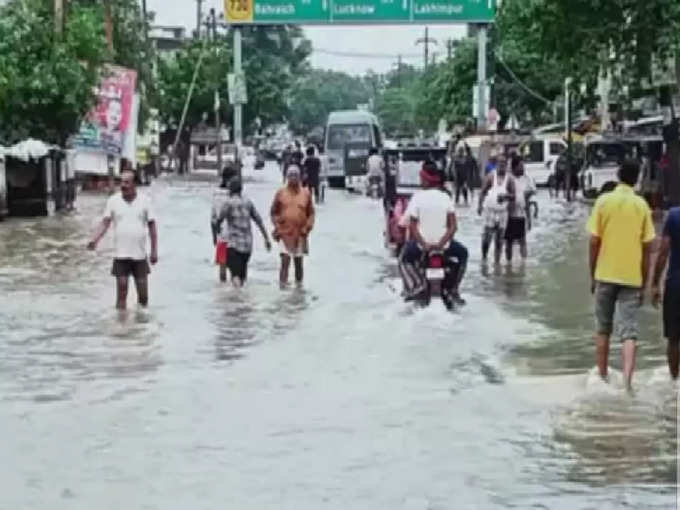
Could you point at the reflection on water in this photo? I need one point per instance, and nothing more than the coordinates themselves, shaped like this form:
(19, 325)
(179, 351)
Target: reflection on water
(615, 438)
(336, 395)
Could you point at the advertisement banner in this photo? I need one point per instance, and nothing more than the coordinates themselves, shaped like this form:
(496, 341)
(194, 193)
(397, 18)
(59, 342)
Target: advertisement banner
(105, 128)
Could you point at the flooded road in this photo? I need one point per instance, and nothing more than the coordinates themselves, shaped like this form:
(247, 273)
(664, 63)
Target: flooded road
(335, 396)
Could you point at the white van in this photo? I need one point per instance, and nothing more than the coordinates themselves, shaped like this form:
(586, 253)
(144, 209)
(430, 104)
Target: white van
(343, 127)
(540, 156)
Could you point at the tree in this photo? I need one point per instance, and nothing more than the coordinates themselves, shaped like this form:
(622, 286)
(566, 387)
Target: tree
(174, 80)
(320, 92)
(622, 36)
(400, 102)
(131, 48)
(274, 59)
(447, 89)
(396, 109)
(616, 34)
(47, 83)
(526, 79)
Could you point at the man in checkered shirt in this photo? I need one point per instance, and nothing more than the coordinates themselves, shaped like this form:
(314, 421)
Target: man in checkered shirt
(238, 211)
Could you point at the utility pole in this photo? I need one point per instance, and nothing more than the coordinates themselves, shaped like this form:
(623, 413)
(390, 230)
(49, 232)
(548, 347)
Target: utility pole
(481, 77)
(108, 25)
(426, 41)
(218, 123)
(399, 71)
(146, 21)
(449, 49)
(58, 17)
(199, 17)
(567, 116)
(238, 70)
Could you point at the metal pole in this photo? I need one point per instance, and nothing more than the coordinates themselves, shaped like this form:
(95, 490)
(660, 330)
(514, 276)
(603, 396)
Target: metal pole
(58, 17)
(481, 77)
(567, 95)
(199, 17)
(427, 45)
(238, 70)
(146, 22)
(399, 71)
(108, 25)
(218, 130)
(188, 99)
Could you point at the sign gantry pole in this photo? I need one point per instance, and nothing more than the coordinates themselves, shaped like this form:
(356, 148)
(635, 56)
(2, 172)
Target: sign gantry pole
(238, 71)
(481, 78)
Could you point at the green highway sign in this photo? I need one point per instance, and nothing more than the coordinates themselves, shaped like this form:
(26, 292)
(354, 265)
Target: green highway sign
(370, 11)
(342, 12)
(453, 10)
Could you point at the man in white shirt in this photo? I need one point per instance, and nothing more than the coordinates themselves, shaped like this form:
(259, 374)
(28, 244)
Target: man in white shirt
(516, 230)
(131, 216)
(432, 225)
(375, 166)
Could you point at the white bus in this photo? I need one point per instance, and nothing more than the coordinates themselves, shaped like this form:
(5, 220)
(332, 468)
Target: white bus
(355, 127)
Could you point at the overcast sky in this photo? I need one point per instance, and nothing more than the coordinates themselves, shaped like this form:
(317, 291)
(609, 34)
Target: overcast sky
(386, 42)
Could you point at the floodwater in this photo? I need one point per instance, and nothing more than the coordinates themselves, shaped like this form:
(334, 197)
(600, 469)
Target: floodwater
(335, 396)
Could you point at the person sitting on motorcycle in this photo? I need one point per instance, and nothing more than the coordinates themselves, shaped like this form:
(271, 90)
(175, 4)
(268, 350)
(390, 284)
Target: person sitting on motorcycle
(432, 225)
(375, 168)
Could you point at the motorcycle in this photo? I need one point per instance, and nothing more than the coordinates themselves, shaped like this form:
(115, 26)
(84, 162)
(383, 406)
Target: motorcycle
(437, 274)
(374, 188)
(259, 160)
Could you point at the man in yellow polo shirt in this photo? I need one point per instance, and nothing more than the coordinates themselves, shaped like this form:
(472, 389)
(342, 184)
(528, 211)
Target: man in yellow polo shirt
(621, 232)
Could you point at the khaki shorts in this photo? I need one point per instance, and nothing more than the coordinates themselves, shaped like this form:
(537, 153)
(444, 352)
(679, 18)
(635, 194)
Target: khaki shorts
(620, 302)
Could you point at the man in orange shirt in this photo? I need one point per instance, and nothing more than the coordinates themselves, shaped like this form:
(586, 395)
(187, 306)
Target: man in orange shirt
(292, 214)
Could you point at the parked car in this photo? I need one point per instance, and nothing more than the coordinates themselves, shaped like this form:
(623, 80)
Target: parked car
(540, 156)
(209, 161)
(601, 168)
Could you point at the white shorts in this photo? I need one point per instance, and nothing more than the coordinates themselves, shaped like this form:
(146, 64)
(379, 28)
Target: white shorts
(495, 218)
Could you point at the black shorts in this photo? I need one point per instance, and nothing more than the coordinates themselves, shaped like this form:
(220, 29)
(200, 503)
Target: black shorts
(127, 267)
(517, 229)
(237, 262)
(671, 312)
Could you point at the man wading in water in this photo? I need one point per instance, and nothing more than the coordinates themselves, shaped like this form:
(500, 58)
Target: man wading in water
(131, 216)
(621, 233)
(497, 196)
(669, 255)
(292, 214)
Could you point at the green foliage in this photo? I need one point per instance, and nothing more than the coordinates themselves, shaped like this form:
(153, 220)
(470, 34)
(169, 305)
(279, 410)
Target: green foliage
(131, 49)
(400, 105)
(518, 57)
(583, 35)
(320, 92)
(46, 84)
(274, 59)
(448, 87)
(174, 79)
